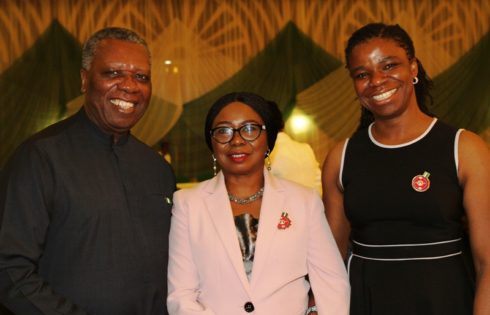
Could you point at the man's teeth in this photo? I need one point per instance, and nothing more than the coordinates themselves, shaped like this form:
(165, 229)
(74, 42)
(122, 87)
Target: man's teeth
(384, 96)
(122, 104)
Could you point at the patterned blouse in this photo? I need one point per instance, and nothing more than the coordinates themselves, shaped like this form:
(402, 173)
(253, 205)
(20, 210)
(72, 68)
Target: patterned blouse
(247, 227)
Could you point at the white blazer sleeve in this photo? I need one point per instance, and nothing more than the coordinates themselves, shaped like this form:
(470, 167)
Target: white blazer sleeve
(183, 278)
(326, 270)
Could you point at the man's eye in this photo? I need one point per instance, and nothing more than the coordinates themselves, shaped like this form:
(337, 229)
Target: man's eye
(142, 77)
(113, 73)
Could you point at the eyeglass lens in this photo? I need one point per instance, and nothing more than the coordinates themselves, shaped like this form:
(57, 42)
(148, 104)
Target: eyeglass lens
(248, 132)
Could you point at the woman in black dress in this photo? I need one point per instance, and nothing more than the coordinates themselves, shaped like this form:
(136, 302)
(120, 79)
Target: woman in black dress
(395, 192)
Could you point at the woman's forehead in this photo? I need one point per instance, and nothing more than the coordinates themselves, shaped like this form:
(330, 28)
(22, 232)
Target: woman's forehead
(237, 111)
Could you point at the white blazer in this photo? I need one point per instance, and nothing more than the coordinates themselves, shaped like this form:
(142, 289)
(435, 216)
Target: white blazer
(206, 274)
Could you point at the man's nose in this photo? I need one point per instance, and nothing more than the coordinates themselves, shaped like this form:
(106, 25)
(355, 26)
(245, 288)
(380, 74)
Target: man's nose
(128, 84)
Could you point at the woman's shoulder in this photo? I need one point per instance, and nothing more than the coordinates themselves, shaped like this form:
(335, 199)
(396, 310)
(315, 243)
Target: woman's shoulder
(473, 150)
(291, 187)
(192, 189)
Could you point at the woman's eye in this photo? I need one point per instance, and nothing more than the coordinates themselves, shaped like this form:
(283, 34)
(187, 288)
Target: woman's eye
(361, 75)
(249, 128)
(389, 66)
(223, 131)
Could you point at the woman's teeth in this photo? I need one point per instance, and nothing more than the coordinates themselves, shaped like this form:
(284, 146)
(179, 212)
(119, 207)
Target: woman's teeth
(385, 95)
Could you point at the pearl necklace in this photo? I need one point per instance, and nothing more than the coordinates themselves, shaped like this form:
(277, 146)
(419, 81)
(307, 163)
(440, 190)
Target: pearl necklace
(244, 201)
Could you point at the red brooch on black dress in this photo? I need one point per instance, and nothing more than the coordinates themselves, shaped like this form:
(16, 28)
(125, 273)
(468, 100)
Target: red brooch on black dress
(421, 183)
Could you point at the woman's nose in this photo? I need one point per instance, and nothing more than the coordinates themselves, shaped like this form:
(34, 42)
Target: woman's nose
(237, 138)
(377, 78)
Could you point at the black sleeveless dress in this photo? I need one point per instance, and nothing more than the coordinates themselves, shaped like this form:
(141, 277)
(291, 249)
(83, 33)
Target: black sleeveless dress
(404, 202)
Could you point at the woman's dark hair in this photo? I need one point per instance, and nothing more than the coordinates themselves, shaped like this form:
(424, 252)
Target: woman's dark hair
(401, 37)
(267, 110)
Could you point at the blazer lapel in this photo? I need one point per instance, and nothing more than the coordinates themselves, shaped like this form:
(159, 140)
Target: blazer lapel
(270, 213)
(219, 209)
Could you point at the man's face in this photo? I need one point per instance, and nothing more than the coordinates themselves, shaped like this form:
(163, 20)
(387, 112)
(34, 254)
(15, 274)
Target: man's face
(117, 86)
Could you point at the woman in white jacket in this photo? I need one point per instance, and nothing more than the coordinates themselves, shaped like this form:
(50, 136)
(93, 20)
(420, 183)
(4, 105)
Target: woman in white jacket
(244, 241)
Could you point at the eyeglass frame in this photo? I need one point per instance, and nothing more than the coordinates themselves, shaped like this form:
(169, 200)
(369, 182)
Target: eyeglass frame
(262, 127)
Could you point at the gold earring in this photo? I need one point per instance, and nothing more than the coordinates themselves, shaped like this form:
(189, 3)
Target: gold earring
(268, 159)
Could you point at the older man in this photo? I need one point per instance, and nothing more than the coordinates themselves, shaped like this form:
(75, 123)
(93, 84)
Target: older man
(85, 206)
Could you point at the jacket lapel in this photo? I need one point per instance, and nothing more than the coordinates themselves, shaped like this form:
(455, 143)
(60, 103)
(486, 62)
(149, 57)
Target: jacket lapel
(270, 213)
(219, 209)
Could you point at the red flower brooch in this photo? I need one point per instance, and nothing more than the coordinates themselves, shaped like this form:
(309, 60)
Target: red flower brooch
(284, 221)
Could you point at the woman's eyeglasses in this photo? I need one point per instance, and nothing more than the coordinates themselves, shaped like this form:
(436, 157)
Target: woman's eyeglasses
(248, 132)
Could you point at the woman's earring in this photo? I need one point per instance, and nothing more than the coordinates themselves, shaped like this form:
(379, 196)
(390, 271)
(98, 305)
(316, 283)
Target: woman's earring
(268, 159)
(215, 168)
(415, 80)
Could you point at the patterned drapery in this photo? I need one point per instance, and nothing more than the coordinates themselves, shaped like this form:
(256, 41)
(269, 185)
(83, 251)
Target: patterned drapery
(289, 50)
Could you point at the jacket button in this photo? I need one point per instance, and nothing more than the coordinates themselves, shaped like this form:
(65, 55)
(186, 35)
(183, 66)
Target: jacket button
(249, 307)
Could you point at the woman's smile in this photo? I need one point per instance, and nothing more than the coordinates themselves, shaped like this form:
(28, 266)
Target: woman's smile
(384, 96)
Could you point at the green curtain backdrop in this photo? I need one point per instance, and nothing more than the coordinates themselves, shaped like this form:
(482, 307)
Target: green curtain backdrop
(462, 92)
(37, 86)
(320, 86)
(290, 51)
(288, 64)
(461, 96)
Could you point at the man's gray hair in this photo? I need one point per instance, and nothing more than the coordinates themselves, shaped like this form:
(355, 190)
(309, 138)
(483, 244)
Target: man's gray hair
(90, 46)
